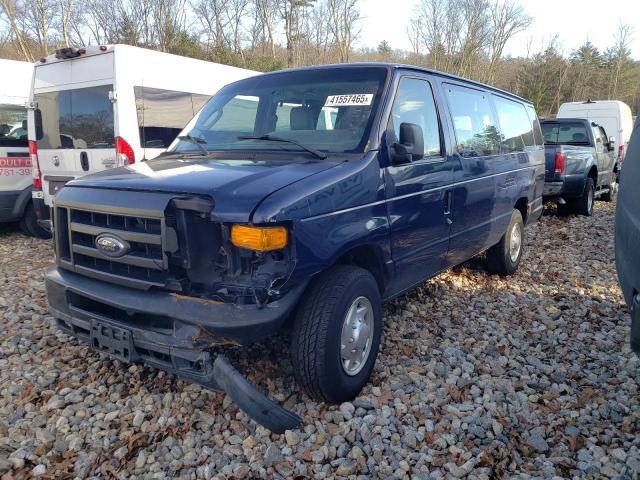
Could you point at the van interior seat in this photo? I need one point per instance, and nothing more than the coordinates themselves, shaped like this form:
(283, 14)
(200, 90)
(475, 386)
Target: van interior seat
(301, 118)
(352, 118)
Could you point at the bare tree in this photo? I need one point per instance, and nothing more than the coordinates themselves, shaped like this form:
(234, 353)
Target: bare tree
(266, 18)
(506, 19)
(13, 13)
(414, 32)
(438, 26)
(235, 12)
(65, 15)
(211, 16)
(344, 16)
(39, 17)
(473, 35)
(618, 58)
(290, 11)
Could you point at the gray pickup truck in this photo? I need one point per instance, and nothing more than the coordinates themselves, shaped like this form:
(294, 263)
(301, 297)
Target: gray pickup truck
(579, 165)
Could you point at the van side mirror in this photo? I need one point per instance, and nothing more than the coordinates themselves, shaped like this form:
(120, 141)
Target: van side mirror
(411, 145)
(610, 145)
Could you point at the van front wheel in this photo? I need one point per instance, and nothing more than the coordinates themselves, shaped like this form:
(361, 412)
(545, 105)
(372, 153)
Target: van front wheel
(336, 334)
(504, 257)
(29, 224)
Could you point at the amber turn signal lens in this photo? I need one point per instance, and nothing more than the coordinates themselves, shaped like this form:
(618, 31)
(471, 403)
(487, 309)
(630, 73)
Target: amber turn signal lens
(262, 239)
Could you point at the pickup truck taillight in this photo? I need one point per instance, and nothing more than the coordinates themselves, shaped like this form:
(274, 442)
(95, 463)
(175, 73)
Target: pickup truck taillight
(35, 165)
(620, 152)
(559, 162)
(124, 152)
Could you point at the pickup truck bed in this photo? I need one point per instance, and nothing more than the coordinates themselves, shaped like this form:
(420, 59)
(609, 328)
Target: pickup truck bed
(578, 163)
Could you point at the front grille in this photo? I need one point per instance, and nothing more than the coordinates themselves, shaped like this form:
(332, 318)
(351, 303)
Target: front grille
(143, 265)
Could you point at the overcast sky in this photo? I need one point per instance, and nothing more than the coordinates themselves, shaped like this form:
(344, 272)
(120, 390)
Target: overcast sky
(574, 20)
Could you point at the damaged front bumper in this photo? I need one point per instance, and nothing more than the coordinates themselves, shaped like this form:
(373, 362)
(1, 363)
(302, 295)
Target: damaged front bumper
(172, 332)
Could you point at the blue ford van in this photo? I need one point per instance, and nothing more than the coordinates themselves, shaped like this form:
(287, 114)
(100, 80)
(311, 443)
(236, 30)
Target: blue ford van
(297, 200)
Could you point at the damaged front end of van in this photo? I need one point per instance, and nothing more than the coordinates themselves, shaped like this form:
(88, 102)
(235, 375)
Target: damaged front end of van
(159, 279)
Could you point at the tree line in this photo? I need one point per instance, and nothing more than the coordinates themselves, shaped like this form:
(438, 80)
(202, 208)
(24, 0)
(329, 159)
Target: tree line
(463, 37)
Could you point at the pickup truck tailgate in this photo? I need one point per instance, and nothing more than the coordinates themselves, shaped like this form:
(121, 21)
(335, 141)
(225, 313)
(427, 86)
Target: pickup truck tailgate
(550, 164)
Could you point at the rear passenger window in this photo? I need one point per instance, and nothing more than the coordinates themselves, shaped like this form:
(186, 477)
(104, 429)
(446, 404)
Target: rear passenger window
(163, 113)
(515, 126)
(414, 104)
(476, 131)
(80, 118)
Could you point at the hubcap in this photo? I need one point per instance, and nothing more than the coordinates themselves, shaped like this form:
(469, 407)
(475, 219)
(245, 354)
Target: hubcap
(590, 200)
(515, 243)
(357, 336)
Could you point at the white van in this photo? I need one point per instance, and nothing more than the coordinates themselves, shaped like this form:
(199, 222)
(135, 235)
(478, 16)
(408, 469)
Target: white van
(15, 164)
(104, 106)
(613, 115)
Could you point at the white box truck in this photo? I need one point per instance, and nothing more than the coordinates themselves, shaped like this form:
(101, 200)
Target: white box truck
(104, 106)
(15, 164)
(613, 115)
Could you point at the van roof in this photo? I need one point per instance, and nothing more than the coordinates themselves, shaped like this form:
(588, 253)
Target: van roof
(597, 105)
(400, 66)
(93, 50)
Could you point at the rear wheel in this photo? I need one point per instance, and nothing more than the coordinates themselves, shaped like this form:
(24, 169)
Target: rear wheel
(337, 333)
(564, 209)
(583, 205)
(29, 224)
(504, 257)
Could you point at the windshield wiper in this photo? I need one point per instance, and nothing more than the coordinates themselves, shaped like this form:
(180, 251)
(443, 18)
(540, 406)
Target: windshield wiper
(274, 138)
(196, 141)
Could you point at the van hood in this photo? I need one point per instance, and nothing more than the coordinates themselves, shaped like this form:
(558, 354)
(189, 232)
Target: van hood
(236, 186)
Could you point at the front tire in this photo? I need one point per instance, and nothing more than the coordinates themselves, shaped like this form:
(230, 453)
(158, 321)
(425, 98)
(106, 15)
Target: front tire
(504, 257)
(336, 334)
(29, 224)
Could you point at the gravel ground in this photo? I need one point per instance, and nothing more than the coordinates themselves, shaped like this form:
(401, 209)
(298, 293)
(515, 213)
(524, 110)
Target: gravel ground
(478, 377)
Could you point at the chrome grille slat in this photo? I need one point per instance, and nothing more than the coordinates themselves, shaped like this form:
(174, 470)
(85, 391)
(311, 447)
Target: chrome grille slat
(146, 238)
(126, 259)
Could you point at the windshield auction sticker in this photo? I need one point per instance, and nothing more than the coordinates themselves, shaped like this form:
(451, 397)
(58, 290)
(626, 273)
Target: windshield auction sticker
(351, 100)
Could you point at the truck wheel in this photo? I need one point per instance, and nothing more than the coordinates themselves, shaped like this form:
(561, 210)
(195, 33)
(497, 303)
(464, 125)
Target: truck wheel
(583, 205)
(29, 224)
(336, 334)
(611, 194)
(504, 257)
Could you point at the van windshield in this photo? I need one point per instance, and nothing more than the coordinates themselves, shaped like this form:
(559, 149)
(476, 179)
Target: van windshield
(327, 110)
(79, 118)
(13, 126)
(565, 133)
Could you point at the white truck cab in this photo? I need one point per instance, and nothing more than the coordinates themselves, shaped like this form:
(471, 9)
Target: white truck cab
(15, 164)
(100, 107)
(613, 115)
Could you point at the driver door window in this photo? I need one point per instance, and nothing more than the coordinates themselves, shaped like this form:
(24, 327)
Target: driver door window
(414, 103)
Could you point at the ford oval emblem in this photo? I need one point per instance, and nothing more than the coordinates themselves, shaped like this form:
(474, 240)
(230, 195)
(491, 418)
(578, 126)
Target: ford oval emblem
(111, 245)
